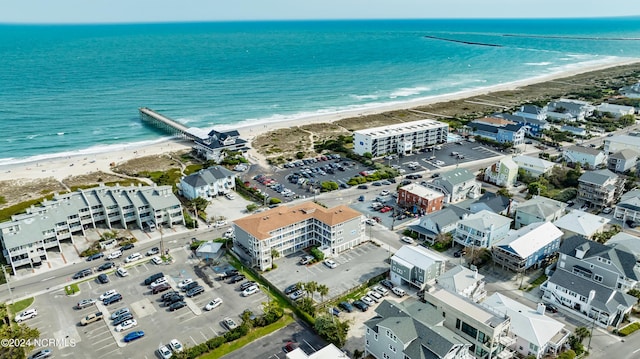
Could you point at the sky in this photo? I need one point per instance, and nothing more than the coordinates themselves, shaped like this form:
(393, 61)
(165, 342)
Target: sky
(135, 11)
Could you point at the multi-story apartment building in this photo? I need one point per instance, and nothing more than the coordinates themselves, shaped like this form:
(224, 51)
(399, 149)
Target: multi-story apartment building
(600, 188)
(412, 331)
(527, 247)
(591, 279)
(420, 199)
(290, 229)
(488, 331)
(27, 237)
(482, 229)
(402, 138)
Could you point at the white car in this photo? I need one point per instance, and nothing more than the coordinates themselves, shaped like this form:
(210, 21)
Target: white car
(220, 223)
(122, 272)
(114, 255)
(127, 324)
(368, 301)
(156, 260)
(371, 222)
(176, 346)
(158, 282)
(27, 314)
(384, 193)
(228, 233)
(374, 295)
(164, 352)
(330, 263)
(184, 282)
(439, 163)
(251, 290)
(230, 196)
(406, 239)
(133, 257)
(379, 289)
(213, 304)
(108, 293)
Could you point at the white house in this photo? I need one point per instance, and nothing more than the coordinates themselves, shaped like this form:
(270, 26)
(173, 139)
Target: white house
(581, 223)
(586, 156)
(533, 165)
(466, 282)
(457, 185)
(576, 109)
(618, 143)
(416, 266)
(208, 183)
(628, 209)
(502, 173)
(536, 334)
(616, 111)
(482, 229)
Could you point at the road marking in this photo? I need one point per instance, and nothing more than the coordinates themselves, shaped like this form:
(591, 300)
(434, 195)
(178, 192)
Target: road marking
(635, 351)
(109, 353)
(194, 341)
(186, 320)
(104, 347)
(89, 284)
(101, 340)
(204, 336)
(214, 332)
(46, 279)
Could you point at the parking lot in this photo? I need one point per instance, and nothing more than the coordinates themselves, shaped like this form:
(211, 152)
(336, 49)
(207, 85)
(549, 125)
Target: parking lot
(58, 318)
(355, 267)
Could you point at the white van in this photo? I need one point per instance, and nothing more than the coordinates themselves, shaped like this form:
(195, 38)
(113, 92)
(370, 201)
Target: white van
(115, 254)
(398, 291)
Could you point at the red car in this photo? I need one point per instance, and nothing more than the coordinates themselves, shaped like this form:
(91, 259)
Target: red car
(385, 209)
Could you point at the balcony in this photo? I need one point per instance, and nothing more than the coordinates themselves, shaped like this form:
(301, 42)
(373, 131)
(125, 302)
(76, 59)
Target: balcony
(506, 354)
(507, 341)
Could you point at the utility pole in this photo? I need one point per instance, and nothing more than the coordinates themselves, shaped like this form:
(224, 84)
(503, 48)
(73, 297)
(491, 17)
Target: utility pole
(593, 324)
(6, 278)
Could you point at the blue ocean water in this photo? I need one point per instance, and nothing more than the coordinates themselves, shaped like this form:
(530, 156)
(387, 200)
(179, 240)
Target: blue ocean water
(65, 89)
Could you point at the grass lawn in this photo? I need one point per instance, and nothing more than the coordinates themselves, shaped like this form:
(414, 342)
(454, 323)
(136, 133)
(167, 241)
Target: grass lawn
(253, 335)
(18, 307)
(72, 289)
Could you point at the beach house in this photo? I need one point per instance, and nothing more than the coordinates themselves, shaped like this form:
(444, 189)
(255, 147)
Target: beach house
(615, 144)
(628, 209)
(534, 123)
(574, 130)
(538, 209)
(500, 130)
(527, 247)
(208, 183)
(591, 280)
(588, 157)
(581, 224)
(616, 111)
(532, 112)
(43, 230)
(502, 173)
(457, 185)
(482, 229)
(465, 282)
(533, 165)
(568, 109)
(416, 266)
(599, 189)
(216, 145)
(438, 223)
(402, 138)
(290, 229)
(623, 161)
(632, 91)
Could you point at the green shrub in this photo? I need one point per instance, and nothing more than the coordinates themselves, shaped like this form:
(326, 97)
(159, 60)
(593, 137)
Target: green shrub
(629, 329)
(317, 254)
(275, 200)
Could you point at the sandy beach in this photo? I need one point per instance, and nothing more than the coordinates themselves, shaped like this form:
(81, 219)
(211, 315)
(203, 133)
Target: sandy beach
(75, 165)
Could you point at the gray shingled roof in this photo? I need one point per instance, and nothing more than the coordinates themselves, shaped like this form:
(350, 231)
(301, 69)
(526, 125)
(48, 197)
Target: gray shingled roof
(457, 176)
(599, 177)
(447, 216)
(581, 149)
(207, 176)
(622, 261)
(605, 299)
(540, 207)
(625, 154)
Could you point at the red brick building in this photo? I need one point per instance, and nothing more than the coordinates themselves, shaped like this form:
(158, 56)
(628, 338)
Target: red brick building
(419, 199)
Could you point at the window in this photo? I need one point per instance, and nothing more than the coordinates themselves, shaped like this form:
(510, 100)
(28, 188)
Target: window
(533, 347)
(597, 278)
(469, 330)
(392, 348)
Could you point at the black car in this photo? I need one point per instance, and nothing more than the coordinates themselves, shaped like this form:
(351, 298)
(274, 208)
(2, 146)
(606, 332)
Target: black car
(121, 319)
(387, 283)
(168, 294)
(363, 186)
(106, 266)
(126, 246)
(236, 279)
(360, 305)
(83, 273)
(112, 299)
(290, 289)
(95, 256)
(247, 284)
(346, 306)
(173, 299)
(177, 305)
(153, 278)
(190, 286)
(195, 291)
(631, 224)
(550, 307)
(459, 253)
(102, 278)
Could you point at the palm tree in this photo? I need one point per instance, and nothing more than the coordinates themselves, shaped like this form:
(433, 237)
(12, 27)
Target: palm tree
(274, 254)
(311, 287)
(581, 333)
(322, 290)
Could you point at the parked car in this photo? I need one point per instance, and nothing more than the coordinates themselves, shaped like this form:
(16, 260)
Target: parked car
(229, 323)
(106, 266)
(250, 291)
(367, 300)
(123, 318)
(363, 186)
(406, 239)
(607, 210)
(177, 305)
(236, 279)
(161, 288)
(107, 294)
(122, 271)
(112, 299)
(158, 282)
(103, 278)
(213, 304)
(290, 289)
(335, 311)
(126, 325)
(398, 291)
(297, 294)
(551, 307)
(152, 278)
(119, 312)
(330, 263)
(195, 291)
(387, 283)
(95, 256)
(83, 273)
(164, 352)
(380, 290)
(153, 251)
(306, 260)
(85, 303)
(631, 224)
(156, 260)
(184, 282)
(173, 299)
(27, 314)
(247, 284)
(169, 294)
(190, 286)
(459, 253)
(346, 306)
(375, 296)
(133, 336)
(176, 346)
(360, 305)
(41, 354)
